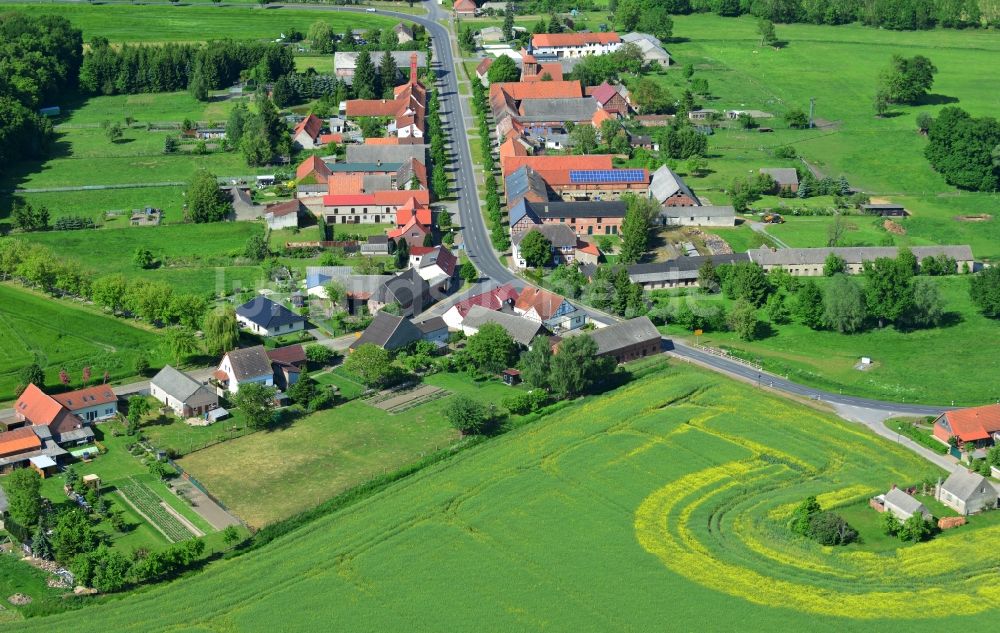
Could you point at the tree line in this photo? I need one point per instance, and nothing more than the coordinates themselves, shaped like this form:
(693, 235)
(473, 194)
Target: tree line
(40, 57)
(899, 15)
(131, 69)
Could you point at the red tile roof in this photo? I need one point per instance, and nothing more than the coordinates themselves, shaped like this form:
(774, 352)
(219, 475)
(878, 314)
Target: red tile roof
(410, 227)
(518, 90)
(345, 184)
(312, 165)
(465, 6)
(484, 66)
(553, 70)
(311, 125)
(600, 117)
(402, 196)
(556, 177)
(412, 208)
(573, 39)
(421, 250)
(19, 440)
(371, 107)
(544, 302)
(286, 208)
(492, 299)
(326, 139)
(512, 147)
(383, 140)
(603, 93)
(84, 398)
(288, 355)
(590, 249)
(544, 163)
(347, 200)
(36, 407)
(976, 423)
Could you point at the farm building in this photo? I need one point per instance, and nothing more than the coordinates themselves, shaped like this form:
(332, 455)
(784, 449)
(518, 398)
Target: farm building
(902, 505)
(670, 190)
(967, 492)
(555, 45)
(784, 178)
(262, 316)
(698, 216)
(388, 331)
(585, 218)
(887, 209)
(807, 262)
(465, 8)
(677, 273)
(626, 340)
(306, 134)
(522, 330)
(284, 215)
(184, 395)
(346, 62)
(651, 47)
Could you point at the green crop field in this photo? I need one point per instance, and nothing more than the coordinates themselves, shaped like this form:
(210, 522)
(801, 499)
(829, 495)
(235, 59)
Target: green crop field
(839, 66)
(315, 457)
(195, 23)
(915, 366)
(63, 335)
(659, 506)
(195, 258)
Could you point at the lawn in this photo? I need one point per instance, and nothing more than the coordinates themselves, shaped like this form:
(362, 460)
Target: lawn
(680, 484)
(347, 385)
(839, 66)
(913, 366)
(316, 457)
(61, 334)
(196, 22)
(18, 577)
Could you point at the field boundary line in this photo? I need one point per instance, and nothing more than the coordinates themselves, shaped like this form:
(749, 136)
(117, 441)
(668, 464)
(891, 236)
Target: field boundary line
(183, 519)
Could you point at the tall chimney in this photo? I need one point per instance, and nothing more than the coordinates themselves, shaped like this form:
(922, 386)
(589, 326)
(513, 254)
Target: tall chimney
(413, 68)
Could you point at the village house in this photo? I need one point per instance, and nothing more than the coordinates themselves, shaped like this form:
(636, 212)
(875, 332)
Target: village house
(808, 262)
(465, 8)
(553, 45)
(966, 492)
(414, 232)
(406, 110)
(697, 216)
(411, 292)
(436, 264)
(521, 329)
(307, 132)
(562, 240)
(626, 340)
(91, 404)
(404, 33)
(544, 164)
(179, 392)
(389, 332)
(785, 178)
(262, 316)
(610, 99)
(499, 298)
(357, 289)
(975, 426)
(374, 208)
(434, 330)
(553, 311)
(533, 70)
(287, 364)
(584, 218)
(244, 366)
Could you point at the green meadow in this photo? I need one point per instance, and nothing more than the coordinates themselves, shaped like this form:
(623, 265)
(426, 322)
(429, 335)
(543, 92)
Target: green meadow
(839, 67)
(663, 504)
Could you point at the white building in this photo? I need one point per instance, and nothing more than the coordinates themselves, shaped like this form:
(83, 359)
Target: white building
(181, 393)
(557, 45)
(242, 366)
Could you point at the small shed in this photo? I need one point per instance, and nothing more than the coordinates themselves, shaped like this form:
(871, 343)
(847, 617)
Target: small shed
(887, 209)
(43, 465)
(511, 377)
(92, 481)
(903, 506)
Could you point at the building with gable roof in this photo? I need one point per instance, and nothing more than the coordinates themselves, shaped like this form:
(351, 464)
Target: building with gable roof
(243, 366)
(651, 47)
(262, 316)
(553, 311)
(966, 492)
(184, 395)
(558, 45)
(388, 331)
(562, 239)
(584, 218)
(670, 190)
(979, 426)
(902, 505)
(522, 330)
(809, 261)
(786, 178)
(499, 298)
(625, 340)
(307, 132)
(407, 109)
(610, 99)
(436, 264)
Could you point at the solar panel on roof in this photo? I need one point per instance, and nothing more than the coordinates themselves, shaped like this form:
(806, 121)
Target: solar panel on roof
(606, 175)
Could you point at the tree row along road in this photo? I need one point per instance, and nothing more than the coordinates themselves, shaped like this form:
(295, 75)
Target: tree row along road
(476, 236)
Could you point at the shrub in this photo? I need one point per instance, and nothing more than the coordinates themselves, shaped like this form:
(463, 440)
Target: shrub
(829, 528)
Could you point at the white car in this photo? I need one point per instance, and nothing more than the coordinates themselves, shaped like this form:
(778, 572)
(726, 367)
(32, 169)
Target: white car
(371, 10)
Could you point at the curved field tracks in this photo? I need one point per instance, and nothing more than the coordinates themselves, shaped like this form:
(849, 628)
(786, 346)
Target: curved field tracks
(657, 507)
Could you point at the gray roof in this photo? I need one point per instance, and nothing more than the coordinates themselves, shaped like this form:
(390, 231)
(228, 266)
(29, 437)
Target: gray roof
(522, 330)
(707, 211)
(571, 109)
(389, 331)
(378, 239)
(851, 254)
(560, 235)
(376, 182)
(622, 334)
(395, 154)
(408, 289)
(522, 181)
(84, 433)
(784, 176)
(176, 383)
(348, 60)
(666, 183)
(965, 484)
(680, 268)
(650, 45)
(266, 313)
(249, 362)
(3, 502)
(321, 275)
(360, 167)
(904, 502)
(434, 324)
(584, 209)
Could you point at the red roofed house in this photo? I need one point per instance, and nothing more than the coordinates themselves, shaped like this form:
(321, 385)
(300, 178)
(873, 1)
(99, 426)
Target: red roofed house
(307, 132)
(609, 99)
(326, 139)
(91, 403)
(533, 70)
(407, 108)
(465, 7)
(574, 44)
(483, 69)
(550, 163)
(413, 232)
(312, 171)
(978, 425)
(588, 253)
(499, 298)
(345, 184)
(374, 208)
(413, 209)
(600, 117)
(382, 140)
(549, 309)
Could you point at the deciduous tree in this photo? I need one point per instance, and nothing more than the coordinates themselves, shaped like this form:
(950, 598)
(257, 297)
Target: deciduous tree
(844, 305)
(256, 402)
(491, 349)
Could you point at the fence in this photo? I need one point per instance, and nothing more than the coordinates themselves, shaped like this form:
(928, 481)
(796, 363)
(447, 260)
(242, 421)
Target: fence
(721, 353)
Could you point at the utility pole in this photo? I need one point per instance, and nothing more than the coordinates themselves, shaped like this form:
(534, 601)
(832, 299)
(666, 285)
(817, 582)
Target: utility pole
(812, 111)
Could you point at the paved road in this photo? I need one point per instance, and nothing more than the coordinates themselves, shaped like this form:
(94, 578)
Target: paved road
(761, 228)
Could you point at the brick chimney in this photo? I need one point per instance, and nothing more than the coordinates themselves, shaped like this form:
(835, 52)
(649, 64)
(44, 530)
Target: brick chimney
(413, 68)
